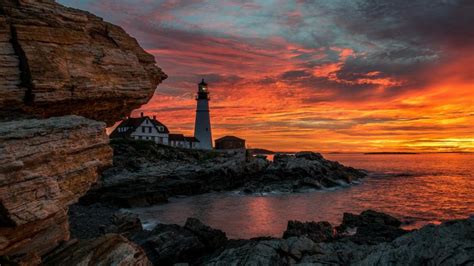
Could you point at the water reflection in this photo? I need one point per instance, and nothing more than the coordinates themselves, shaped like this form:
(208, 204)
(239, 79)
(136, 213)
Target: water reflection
(417, 188)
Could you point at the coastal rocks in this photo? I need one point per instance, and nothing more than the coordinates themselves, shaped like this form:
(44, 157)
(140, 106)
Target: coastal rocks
(316, 231)
(110, 249)
(45, 166)
(371, 227)
(302, 171)
(145, 173)
(451, 243)
(58, 60)
(169, 244)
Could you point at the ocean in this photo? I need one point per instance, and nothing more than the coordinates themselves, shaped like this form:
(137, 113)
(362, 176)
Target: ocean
(416, 188)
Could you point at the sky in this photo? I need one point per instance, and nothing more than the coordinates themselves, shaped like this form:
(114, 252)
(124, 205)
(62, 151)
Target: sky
(329, 76)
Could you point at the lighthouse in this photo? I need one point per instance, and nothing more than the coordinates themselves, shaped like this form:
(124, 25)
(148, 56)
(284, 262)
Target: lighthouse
(202, 126)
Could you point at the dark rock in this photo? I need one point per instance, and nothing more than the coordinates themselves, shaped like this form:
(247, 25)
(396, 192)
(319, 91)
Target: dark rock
(369, 217)
(169, 244)
(371, 227)
(212, 238)
(110, 249)
(316, 231)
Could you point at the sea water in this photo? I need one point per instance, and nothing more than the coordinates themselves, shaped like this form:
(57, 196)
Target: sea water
(416, 188)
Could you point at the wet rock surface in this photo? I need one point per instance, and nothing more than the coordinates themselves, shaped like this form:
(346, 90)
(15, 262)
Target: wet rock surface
(145, 173)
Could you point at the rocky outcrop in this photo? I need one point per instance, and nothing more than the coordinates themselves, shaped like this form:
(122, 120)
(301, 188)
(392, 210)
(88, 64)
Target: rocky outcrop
(316, 231)
(58, 60)
(110, 249)
(302, 171)
(450, 243)
(45, 165)
(169, 244)
(145, 173)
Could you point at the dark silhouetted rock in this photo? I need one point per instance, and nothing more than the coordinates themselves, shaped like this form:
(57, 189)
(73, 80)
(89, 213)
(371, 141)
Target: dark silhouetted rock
(316, 231)
(211, 238)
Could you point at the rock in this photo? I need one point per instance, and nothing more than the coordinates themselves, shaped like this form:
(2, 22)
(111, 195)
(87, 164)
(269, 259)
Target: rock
(371, 227)
(211, 238)
(451, 243)
(369, 217)
(304, 170)
(263, 252)
(45, 166)
(316, 231)
(110, 249)
(145, 173)
(58, 61)
(170, 244)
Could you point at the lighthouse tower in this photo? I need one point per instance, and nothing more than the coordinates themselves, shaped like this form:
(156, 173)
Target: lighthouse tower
(202, 127)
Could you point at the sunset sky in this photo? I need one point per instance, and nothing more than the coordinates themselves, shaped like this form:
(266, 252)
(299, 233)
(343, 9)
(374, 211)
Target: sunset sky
(333, 75)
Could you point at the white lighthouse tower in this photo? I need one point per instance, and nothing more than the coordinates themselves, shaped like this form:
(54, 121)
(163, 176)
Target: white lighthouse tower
(202, 127)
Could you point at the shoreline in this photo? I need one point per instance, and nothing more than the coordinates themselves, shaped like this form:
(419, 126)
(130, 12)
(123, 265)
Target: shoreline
(363, 238)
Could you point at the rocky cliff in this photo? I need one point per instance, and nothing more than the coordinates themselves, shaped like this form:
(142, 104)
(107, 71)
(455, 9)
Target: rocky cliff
(45, 165)
(56, 63)
(58, 60)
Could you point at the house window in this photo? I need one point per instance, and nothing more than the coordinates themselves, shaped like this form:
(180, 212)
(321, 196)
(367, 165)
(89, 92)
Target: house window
(161, 139)
(161, 129)
(143, 129)
(149, 129)
(139, 137)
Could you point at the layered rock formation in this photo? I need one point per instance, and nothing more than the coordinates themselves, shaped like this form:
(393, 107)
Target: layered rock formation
(110, 249)
(45, 165)
(58, 60)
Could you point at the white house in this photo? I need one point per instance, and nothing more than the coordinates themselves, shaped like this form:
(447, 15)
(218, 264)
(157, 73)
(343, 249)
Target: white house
(142, 128)
(146, 128)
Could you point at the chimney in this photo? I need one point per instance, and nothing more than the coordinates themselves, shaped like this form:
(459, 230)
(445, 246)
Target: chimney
(141, 114)
(154, 117)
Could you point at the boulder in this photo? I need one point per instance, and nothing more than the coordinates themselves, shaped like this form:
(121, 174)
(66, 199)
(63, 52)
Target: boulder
(451, 243)
(45, 166)
(110, 249)
(371, 227)
(170, 244)
(211, 238)
(316, 231)
(59, 61)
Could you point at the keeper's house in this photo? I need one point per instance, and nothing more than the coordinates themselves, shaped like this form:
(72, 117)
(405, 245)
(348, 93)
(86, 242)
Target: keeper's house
(146, 128)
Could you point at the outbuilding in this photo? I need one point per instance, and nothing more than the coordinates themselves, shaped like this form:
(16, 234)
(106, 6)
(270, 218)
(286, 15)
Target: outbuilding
(229, 143)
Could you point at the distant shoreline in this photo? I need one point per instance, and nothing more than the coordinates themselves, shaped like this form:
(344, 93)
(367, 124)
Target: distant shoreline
(389, 153)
